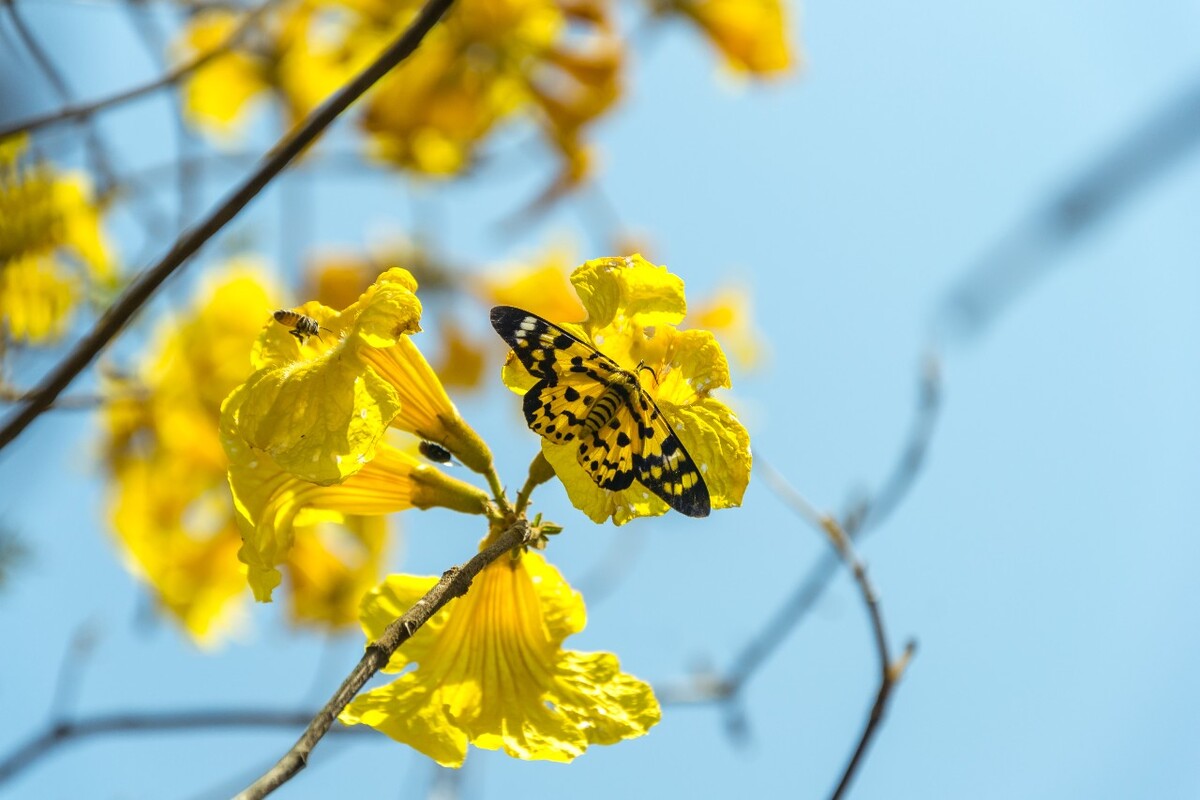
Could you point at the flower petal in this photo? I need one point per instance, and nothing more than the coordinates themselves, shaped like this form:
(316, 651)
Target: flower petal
(491, 671)
(630, 288)
(321, 420)
(404, 711)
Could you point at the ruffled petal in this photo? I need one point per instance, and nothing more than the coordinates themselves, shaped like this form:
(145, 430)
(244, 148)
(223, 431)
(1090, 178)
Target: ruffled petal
(614, 290)
(491, 672)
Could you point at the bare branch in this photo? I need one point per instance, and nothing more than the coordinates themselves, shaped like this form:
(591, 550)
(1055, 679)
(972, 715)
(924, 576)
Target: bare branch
(290, 146)
(64, 732)
(890, 671)
(78, 402)
(454, 582)
(74, 111)
(870, 514)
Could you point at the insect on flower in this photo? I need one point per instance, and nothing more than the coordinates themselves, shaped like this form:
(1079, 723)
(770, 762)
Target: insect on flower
(434, 452)
(302, 326)
(583, 395)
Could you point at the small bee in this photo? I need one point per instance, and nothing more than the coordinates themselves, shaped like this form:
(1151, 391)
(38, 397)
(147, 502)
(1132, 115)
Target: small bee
(303, 327)
(434, 452)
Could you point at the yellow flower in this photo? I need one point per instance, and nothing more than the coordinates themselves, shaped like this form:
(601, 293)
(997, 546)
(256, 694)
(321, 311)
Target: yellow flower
(172, 512)
(285, 54)
(634, 308)
(337, 280)
(556, 61)
(320, 408)
(492, 672)
(215, 96)
(48, 226)
(461, 361)
(542, 287)
(174, 523)
(751, 34)
(271, 502)
(331, 567)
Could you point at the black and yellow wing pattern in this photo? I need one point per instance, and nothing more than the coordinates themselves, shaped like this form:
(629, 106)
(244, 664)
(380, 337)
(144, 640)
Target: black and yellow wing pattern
(583, 397)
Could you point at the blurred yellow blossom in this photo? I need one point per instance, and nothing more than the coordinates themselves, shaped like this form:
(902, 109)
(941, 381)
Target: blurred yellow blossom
(751, 34)
(461, 362)
(542, 287)
(491, 671)
(293, 50)
(729, 314)
(634, 308)
(51, 245)
(556, 62)
(333, 566)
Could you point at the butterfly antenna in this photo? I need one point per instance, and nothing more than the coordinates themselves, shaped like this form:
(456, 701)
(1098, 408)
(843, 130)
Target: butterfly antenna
(644, 366)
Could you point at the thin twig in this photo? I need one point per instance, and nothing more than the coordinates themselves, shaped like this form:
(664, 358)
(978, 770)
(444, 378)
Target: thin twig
(75, 402)
(100, 160)
(870, 515)
(58, 734)
(290, 146)
(156, 42)
(100, 154)
(454, 583)
(73, 111)
(890, 671)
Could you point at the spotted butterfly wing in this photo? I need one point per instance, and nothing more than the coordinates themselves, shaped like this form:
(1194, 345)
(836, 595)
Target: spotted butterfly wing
(584, 396)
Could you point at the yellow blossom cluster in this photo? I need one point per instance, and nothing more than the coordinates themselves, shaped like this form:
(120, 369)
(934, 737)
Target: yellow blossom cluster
(555, 63)
(308, 434)
(171, 510)
(51, 245)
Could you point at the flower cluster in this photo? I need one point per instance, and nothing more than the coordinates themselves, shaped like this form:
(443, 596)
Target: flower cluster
(171, 510)
(306, 434)
(315, 434)
(556, 63)
(51, 245)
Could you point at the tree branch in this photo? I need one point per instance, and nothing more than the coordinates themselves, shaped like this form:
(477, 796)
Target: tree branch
(869, 515)
(454, 582)
(889, 671)
(61, 733)
(288, 148)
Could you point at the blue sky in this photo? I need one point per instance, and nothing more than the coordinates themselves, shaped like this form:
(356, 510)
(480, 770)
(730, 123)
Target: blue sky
(1045, 560)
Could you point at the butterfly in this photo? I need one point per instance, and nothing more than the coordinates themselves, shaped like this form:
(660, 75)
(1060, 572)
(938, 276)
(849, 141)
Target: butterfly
(583, 396)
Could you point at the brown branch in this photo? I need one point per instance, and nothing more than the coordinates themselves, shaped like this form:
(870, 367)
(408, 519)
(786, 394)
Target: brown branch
(868, 516)
(73, 111)
(454, 583)
(290, 146)
(57, 734)
(77, 402)
(889, 671)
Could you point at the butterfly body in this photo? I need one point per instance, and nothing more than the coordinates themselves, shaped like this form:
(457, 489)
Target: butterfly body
(584, 398)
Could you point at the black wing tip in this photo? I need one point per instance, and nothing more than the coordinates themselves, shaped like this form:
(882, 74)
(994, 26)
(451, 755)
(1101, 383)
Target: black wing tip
(503, 314)
(692, 504)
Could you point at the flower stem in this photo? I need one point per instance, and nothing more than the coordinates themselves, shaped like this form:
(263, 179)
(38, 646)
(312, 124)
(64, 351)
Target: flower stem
(540, 471)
